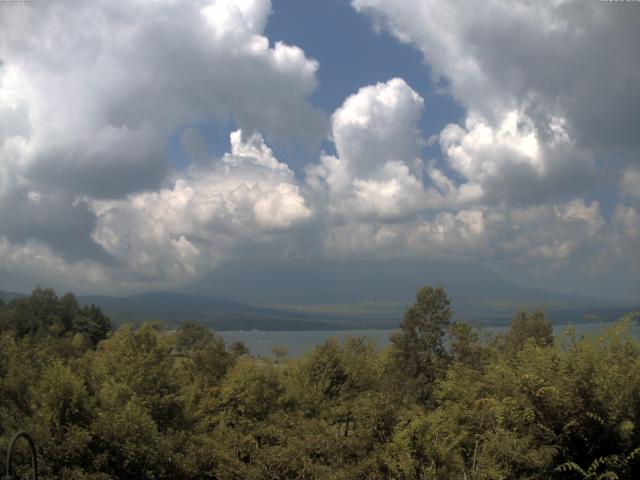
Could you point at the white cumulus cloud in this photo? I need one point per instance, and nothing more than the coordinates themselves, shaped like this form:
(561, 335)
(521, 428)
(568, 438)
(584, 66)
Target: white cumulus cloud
(546, 87)
(97, 87)
(181, 232)
(91, 94)
(377, 170)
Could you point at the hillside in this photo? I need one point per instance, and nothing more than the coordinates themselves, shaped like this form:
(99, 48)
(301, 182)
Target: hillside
(327, 295)
(382, 289)
(174, 308)
(8, 296)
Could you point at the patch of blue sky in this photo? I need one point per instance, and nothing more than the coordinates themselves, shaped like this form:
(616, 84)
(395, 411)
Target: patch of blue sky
(215, 132)
(351, 54)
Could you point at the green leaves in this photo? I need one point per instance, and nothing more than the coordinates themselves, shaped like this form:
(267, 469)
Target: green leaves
(146, 403)
(43, 314)
(418, 349)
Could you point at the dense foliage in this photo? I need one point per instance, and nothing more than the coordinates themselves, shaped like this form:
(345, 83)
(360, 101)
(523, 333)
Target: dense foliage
(147, 403)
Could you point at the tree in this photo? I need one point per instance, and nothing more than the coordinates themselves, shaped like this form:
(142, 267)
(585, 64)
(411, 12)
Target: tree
(465, 345)
(43, 314)
(204, 362)
(252, 391)
(192, 336)
(529, 327)
(418, 349)
(92, 323)
(147, 403)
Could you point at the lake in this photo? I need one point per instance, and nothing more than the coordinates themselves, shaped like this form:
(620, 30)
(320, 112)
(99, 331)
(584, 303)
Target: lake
(299, 342)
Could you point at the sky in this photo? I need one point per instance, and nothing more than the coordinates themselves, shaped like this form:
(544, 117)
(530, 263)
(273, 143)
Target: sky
(145, 143)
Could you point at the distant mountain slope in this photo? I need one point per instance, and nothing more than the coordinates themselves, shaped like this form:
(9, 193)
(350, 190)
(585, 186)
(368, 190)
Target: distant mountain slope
(350, 294)
(333, 282)
(169, 301)
(174, 308)
(381, 288)
(8, 296)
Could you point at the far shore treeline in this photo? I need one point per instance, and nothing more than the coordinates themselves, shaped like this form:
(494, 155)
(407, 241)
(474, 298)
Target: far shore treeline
(145, 403)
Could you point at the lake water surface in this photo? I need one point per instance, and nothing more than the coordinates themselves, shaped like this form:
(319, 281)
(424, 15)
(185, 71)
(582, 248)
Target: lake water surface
(299, 342)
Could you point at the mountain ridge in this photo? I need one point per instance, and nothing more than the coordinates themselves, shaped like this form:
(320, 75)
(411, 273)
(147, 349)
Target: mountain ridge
(325, 295)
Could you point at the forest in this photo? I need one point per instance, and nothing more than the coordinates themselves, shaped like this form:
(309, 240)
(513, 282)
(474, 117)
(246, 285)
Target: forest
(443, 401)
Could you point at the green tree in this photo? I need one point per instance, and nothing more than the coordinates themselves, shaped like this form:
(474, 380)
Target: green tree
(252, 391)
(465, 345)
(529, 327)
(43, 314)
(418, 349)
(192, 336)
(147, 403)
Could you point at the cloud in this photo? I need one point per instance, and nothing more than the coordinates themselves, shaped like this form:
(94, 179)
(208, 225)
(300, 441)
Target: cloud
(630, 182)
(96, 88)
(547, 87)
(53, 218)
(30, 263)
(90, 101)
(183, 231)
(568, 58)
(194, 144)
(626, 236)
(375, 197)
(377, 170)
(511, 163)
(539, 239)
(91, 96)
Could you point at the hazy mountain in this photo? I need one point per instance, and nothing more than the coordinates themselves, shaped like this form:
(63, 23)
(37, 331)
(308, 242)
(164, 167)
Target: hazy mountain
(381, 288)
(174, 308)
(352, 281)
(8, 296)
(343, 294)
